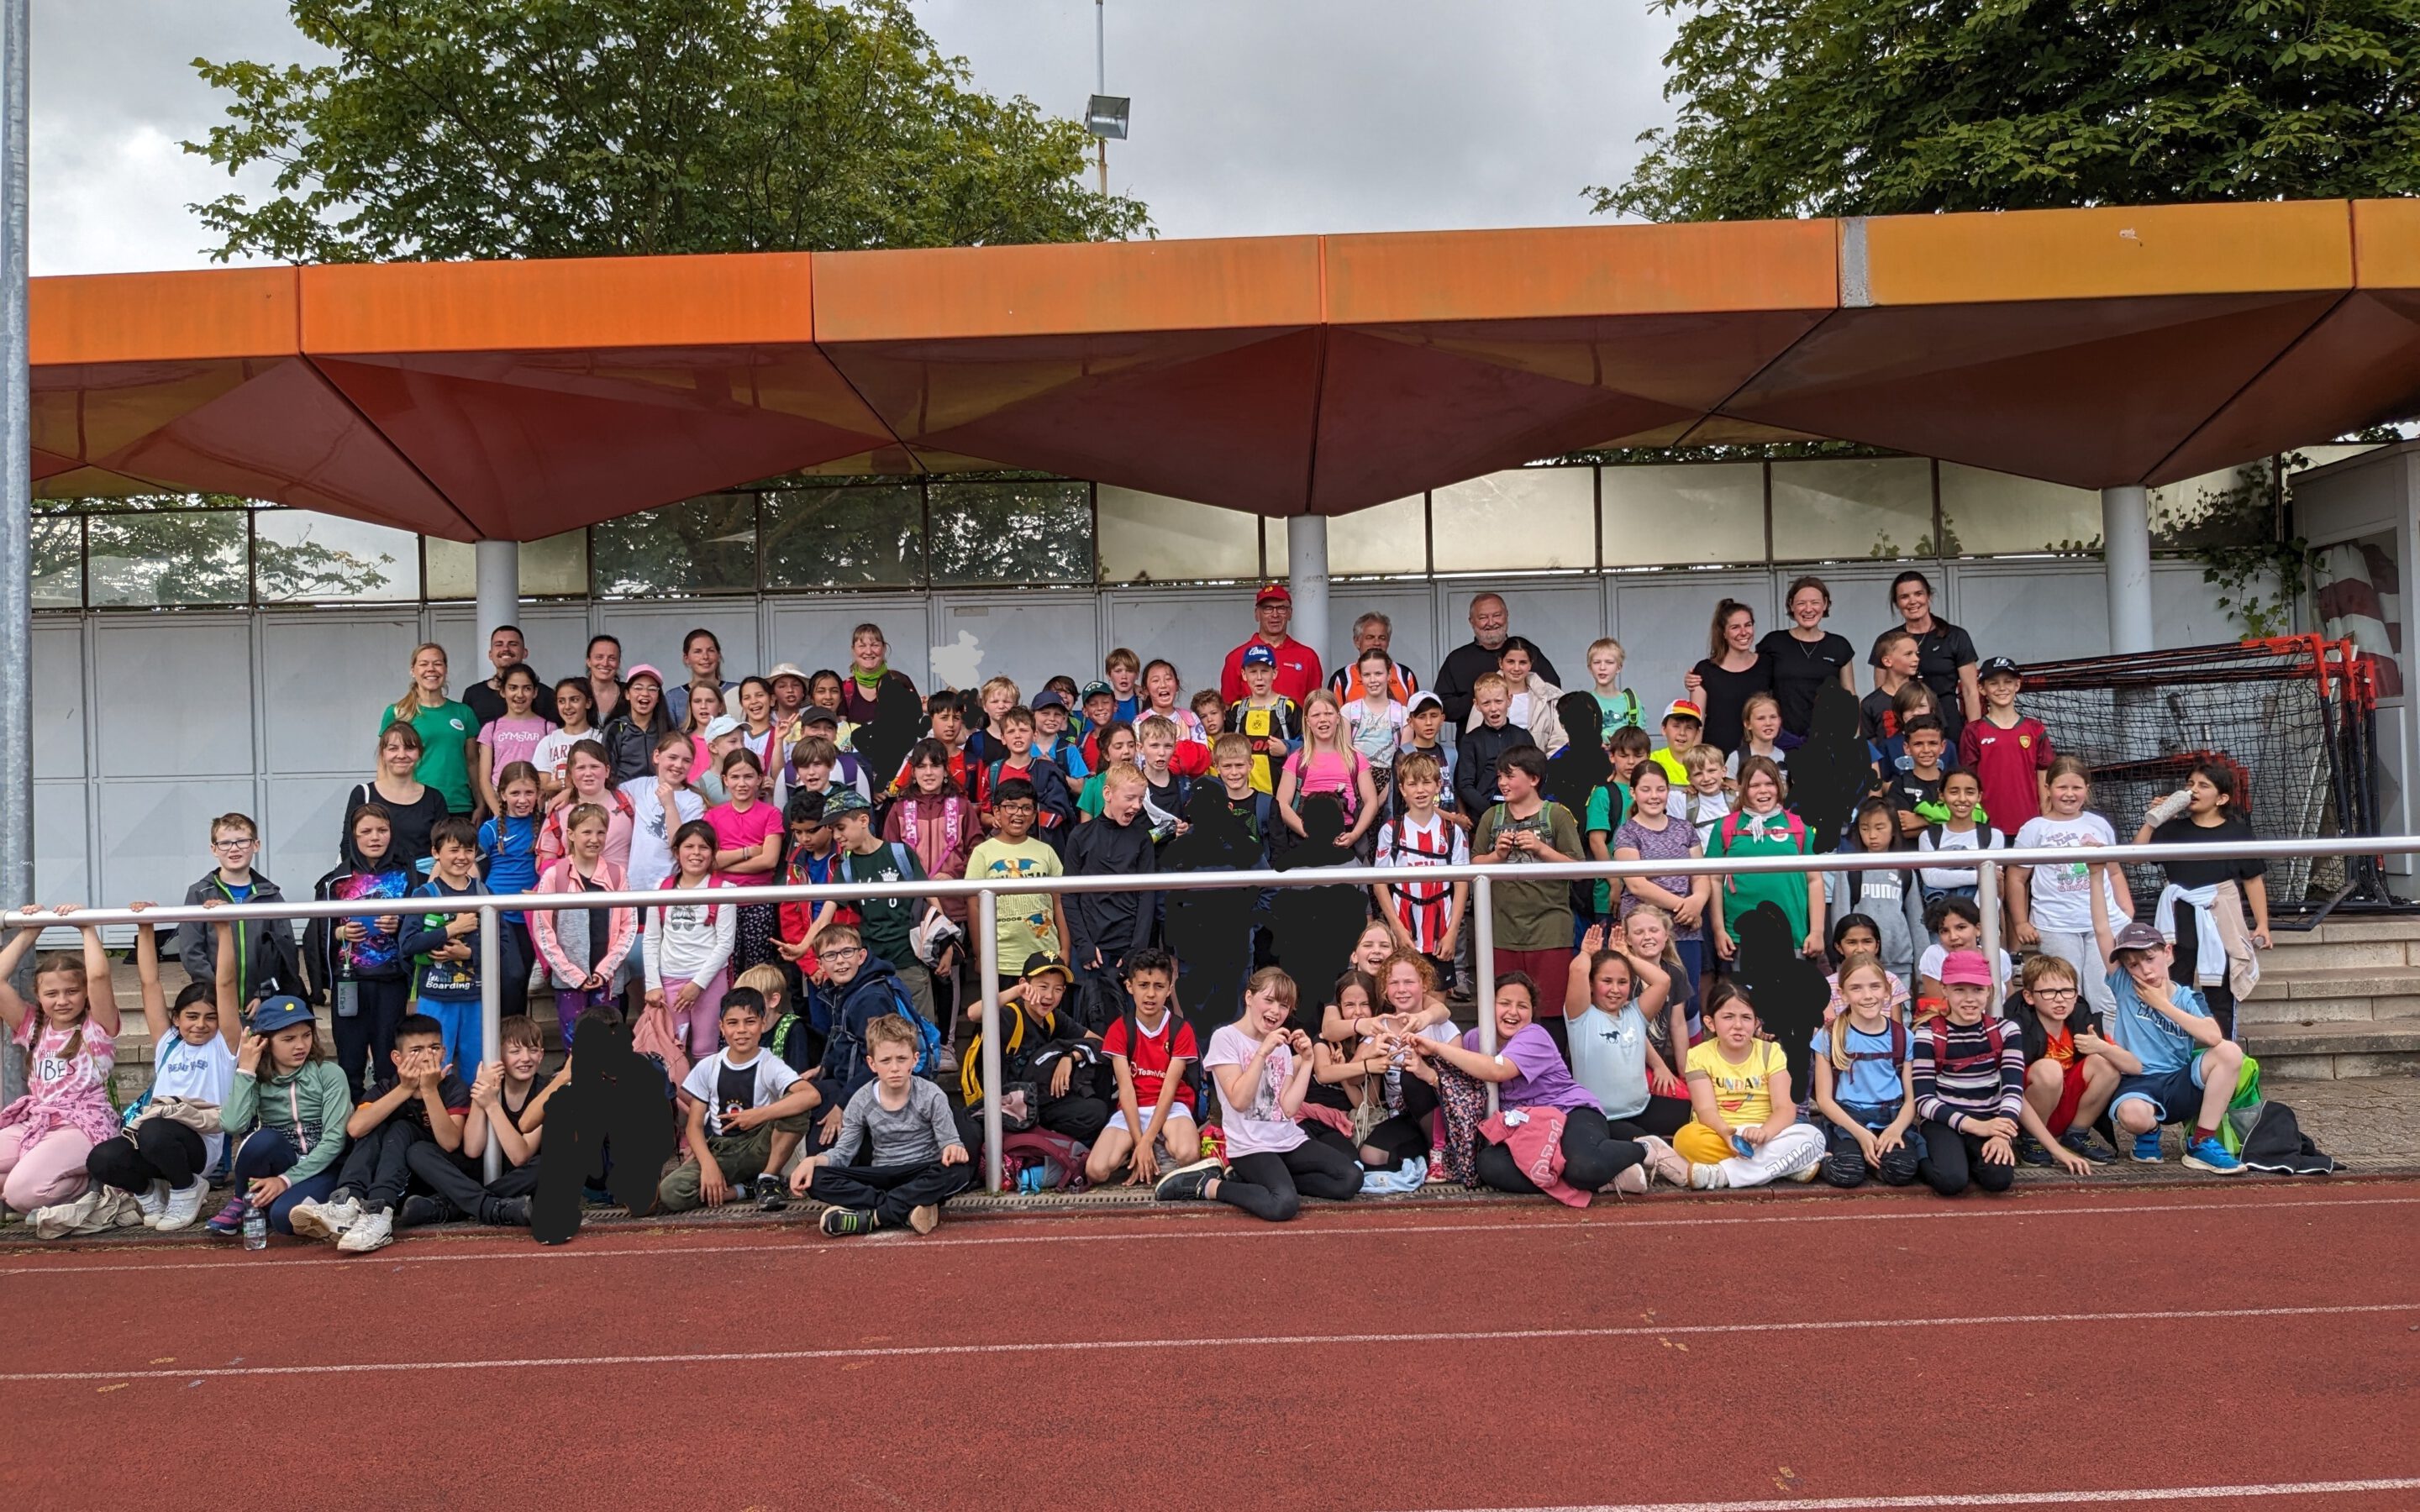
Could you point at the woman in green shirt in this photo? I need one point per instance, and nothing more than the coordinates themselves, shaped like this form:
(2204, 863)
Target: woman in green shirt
(446, 729)
(1762, 827)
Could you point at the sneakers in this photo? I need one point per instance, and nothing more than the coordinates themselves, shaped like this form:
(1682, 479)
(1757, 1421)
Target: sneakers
(509, 1213)
(2030, 1152)
(370, 1231)
(1705, 1178)
(420, 1209)
(2077, 1142)
(772, 1193)
(1664, 1161)
(229, 1221)
(1814, 1169)
(2147, 1148)
(1631, 1181)
(184, 1205)
(326, 1220)
(1185, 1184)
(153, 1200)
(841, 1223)
(2207, 1154)
(924, 1219)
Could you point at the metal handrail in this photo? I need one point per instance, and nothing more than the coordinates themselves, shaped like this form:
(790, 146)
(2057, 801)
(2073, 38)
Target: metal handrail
(985, 893)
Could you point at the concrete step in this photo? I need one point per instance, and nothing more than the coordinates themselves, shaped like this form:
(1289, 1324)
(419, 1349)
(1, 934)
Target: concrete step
(2290, 953)
(2344, 931)
(2328, 1010)
(2278, 984)
(2335, 1051)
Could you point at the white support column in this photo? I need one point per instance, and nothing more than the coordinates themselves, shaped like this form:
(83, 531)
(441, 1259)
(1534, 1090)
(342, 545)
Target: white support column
(1307, 579)
(2126, 557)
(498, 567)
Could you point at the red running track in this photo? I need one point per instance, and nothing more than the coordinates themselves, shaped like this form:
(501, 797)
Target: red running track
(2041, 1351)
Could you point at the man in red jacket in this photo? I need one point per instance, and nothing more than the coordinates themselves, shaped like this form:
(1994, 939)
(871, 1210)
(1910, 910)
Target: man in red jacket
(1298, 673)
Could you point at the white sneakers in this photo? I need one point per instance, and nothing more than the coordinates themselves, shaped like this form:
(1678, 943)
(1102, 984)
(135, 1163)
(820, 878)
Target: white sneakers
(182, 1206)
(324, 1220)
(153, 1200)
(370, 1231)
(1705, 1178)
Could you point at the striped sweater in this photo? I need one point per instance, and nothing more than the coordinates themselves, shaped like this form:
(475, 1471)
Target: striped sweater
(1958, 1079)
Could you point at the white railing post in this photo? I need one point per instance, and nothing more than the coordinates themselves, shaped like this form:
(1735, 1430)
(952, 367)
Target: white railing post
(1987, 902)
(1483, 968)
(987, 961)
(491, 1020)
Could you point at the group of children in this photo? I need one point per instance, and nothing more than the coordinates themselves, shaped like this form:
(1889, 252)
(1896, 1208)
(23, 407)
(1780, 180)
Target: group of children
(808, 1042)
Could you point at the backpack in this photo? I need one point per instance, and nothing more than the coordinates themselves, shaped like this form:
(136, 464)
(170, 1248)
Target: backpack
(1997, 1029)
(713, 910)
(1731, 828)
(1190, 1079)
(952, 816)
(1899, 1043)
(845, 1047)
(1058, 1159)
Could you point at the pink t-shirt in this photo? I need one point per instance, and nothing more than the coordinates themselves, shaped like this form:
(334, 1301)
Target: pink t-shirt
(65, 1092)
(509, 740)
(1260, 1127)
(736, 831)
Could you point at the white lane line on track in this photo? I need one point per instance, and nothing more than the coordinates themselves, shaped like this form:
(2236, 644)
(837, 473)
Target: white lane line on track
(1258, 1341)
(1956, 1499)
(1062, 1231)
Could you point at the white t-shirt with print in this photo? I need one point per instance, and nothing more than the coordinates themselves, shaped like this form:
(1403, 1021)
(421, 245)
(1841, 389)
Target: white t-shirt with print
(2059, 900)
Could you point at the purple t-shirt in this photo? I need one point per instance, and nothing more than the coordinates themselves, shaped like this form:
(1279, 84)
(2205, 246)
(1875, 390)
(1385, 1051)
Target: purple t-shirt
(1540, 1080)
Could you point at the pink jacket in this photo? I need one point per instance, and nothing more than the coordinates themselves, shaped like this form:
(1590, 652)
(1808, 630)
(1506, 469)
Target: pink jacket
(1536, 1145)
(558, 878)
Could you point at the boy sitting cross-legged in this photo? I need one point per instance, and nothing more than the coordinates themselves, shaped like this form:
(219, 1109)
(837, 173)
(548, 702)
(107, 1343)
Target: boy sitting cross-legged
(421, 1100)
(508, 1106)
(1149, 1048)
(898, 1129)
(746, 1110)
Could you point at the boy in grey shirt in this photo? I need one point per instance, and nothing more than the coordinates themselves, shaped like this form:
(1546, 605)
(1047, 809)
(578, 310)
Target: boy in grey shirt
(910, 1161)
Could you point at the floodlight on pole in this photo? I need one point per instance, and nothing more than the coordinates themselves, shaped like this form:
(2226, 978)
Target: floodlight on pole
(1105, 115)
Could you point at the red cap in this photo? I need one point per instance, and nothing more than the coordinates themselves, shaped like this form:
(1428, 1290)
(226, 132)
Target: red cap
(1273, 594)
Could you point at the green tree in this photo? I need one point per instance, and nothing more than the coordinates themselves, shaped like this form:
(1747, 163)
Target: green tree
(462, 128)
(1873, 107)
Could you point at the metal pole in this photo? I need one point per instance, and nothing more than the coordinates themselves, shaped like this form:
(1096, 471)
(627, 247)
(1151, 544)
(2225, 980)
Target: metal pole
(2126, 559)
(1987, 900)
(1307, 578)
(1101, 78)
(491, 1019)
(497, 579)
(987, 961)
(16, 529)
(1483, 968)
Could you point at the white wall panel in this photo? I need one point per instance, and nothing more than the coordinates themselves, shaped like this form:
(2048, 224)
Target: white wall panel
(176, 696)
(62, 871)
(2035, 611)
(1193, 627)
(155, 837)
(58, 711)
(2184, 609)
(300, 827)
(1662, 620)
(1026, 637)
(324, 677)
(1412, 607)
(1560, 616)
(813, 632)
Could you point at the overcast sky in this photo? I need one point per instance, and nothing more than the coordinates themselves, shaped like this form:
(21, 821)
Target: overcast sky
(1251, 116)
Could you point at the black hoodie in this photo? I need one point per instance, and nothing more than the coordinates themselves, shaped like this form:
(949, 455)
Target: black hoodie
(1118, 923)
(354, 877)
(264, 946)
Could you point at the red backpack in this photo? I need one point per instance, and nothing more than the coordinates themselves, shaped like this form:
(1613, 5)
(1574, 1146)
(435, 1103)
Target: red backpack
(1997, 1029)
(1730, 829)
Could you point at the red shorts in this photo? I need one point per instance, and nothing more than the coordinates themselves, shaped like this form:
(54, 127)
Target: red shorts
(2071, 1092)
(1550, 969)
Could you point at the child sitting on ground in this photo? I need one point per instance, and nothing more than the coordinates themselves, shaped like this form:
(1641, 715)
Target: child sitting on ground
(746, 1111)
(507, 1105)
(69, 1034)
(897, 1129)
(420, 1099)
(1862, 1086)
(1746, 1131)
(1262, 1066)
(1970, 1079)
(2071, 1069)
(1149, 1048)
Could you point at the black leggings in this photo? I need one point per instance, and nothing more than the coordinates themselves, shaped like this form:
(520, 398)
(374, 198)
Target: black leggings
(1405, 1135)
(1953, 1161)
(1663, 1116)
(516, 953)
(158, 1150)
(1591, 1157)
(366, 1038)
(1271, 1186)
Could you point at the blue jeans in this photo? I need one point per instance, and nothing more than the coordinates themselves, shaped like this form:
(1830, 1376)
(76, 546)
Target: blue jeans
(269, 1152)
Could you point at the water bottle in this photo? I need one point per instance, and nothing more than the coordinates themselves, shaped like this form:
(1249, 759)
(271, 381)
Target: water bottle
(256, 1226)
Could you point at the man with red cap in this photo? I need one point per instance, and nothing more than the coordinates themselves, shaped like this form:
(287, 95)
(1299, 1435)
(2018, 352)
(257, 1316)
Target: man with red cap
(1298, 673)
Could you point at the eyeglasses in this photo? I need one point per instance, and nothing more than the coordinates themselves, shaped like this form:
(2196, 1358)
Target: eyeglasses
(231, 844)
(2054, 994)
(842, 952)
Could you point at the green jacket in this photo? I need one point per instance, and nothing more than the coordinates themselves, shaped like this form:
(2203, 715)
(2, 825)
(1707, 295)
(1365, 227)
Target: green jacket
(309, 1106)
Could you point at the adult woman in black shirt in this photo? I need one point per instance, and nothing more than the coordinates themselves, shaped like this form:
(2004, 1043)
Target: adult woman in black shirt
(1734, 669)
(1944, 654)
(2213, 815)
(1806, 655)
(412, 805)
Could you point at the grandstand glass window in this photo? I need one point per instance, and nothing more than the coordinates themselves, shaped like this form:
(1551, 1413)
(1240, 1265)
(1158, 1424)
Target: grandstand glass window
(302, 557)
(1388, 540)
(1010, 532)
(1148, 537)
(58, 562)
(703, 545)
(139, 558)
(1528, 519)
(2232, 506)
(858, 536)
(1684, 515)
(1998, 514)
(555, 567)
(1849, 508)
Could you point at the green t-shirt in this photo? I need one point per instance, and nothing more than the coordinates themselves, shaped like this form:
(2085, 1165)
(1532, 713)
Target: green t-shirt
(1531, 916)
(1025, 923)
(445, 733)
(1740, 893)
(883, 924)
(1608, 805)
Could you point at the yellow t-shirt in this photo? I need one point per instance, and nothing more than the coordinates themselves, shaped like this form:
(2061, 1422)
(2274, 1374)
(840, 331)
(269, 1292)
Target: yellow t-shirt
(1025, 923)
(1741, 1090)
(1673, 769)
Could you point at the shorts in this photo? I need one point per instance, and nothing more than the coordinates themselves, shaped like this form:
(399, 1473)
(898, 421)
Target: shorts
(2070, 1095)
(2175, 1096)
(1118, 1118)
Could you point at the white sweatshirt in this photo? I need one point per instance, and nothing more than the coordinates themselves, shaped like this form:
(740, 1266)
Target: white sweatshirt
(683, 943)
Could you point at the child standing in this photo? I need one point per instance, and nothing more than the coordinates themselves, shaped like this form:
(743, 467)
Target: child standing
(1683, 722)
(1483, 743)
(510, 740)
(660, 805)
(1653, 833)
(1109, 928)
(1616, 706)
(1864, 1086)
(2008, 752)
(747, 848)
(1374, 721)
(1262, 1067)
(1763, 828)
(1705, 802)
(264, 959)
(1745, 1130)
(586, 950)
(1425, 917)
(1886, 893)
(448, 943)
(1424, 732)
(1761, 734)
(70, 1036)
(588, 778)
(897, 1128)
(356, 962)
(1533, 919)
(1030, 922)
(2051, 905)
(1912, 783)
(508, 864)
(1969, 1078)
(1269, 719)
(553, 755)
(1962, 829)
(688, 942)
(1327, 763)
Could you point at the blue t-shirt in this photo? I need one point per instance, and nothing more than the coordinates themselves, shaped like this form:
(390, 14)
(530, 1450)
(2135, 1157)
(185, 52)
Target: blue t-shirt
(508, 856)
(1540, 1080)
(2160, 1045)
(1873, 1083)
(1610, 1058)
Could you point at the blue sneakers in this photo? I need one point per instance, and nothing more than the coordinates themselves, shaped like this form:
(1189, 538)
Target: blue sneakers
(2207, 1154)
(2147, 1148)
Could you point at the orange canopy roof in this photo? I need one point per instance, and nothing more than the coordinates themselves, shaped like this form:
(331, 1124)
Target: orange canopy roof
(1282, 375)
